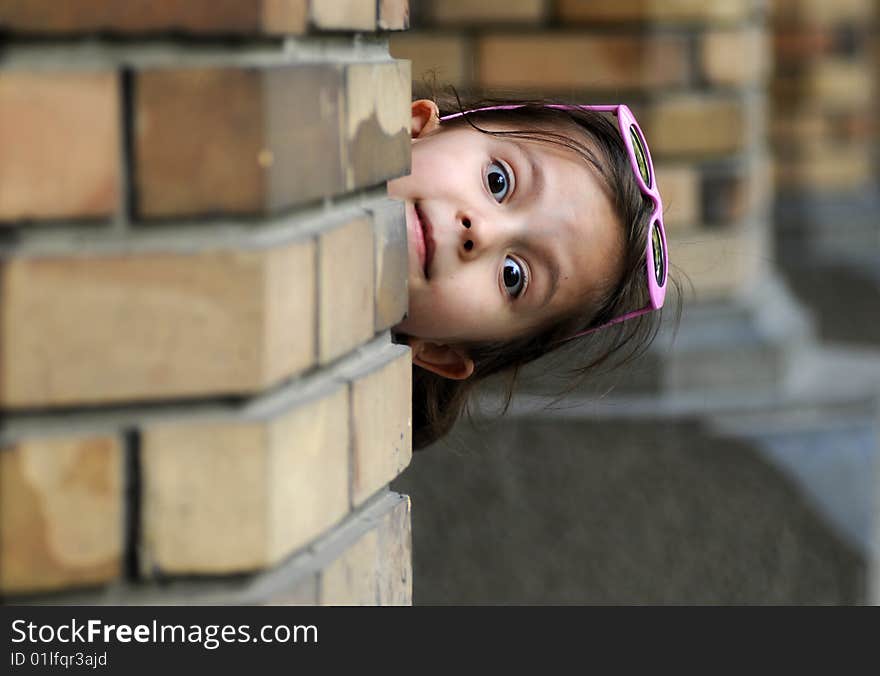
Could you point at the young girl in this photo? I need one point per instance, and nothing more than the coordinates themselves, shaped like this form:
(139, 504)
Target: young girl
(529, 224)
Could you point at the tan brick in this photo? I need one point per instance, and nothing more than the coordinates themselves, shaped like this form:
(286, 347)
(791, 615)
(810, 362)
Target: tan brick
(303, 107)
(722, 262)
(378, 114)
(61, 513)
(552, 61)
(654, 11)
(395, 543)
(377, 568)
(796, 44)
(351, 579)
(149, 16)
(282, 16)
(813, 125)
(381, 415)
(59, 135)
(346, 291)
(236, 140)
(92, 329)
(821, 11)
(193, 153)
(799, 127)
(855, 126)
(449, 57)
(844, 83)
(679, 186)
(733, 193)
(467, 12)
(290, 306)
(343, 14)
(693, 125)
(827, 169)
(393, 15)
(392, 264)
(735, 57)
(228, 496)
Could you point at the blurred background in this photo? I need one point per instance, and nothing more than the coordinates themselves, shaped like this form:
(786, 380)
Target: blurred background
(738, 461)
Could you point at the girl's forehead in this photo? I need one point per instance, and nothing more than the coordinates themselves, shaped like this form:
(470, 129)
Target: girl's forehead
(570, 143)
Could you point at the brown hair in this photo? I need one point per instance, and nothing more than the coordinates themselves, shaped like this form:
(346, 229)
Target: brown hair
(438, 402)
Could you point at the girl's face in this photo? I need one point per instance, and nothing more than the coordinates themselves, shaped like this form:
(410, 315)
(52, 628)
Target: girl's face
(504, 236)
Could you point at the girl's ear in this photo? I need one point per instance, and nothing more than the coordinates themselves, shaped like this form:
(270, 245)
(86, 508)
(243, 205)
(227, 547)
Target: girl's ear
(444, 360)
(425, 117)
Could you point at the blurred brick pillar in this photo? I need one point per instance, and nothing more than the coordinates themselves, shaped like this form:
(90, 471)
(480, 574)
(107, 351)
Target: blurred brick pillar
(824, 123)
(825, 144)
(198, 274)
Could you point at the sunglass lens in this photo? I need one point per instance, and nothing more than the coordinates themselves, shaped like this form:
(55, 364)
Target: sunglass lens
(641, 156)
(659, 255)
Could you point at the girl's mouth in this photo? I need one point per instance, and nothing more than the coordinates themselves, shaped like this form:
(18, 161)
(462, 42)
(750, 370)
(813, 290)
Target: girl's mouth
(427, 236)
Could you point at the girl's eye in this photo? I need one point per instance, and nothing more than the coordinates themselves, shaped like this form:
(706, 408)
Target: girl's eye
(515, 277)
(498, 181)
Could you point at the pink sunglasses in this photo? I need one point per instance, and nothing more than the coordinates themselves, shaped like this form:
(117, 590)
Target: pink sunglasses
(656, 256)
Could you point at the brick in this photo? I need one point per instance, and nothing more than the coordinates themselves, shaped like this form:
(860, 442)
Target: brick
(392, 264)
(303, 107)
(59, 134)
(236, 140)
(810, 131)
(343, 14)
(799, 127)
(377, 568)
(381, 419)
(736, 57)
(467, 12)
(151, 16)
(351, 579)
(798, 44)
(393, 15)
(680, 188)
(229, 496)
(395, 543)
(693, 125)
(61, 513)
(839, 84)
(811, 12)
(553, 61)
(720, 263)
(735, 192)
(654, 11)
(855, 126)
(346, 291)
(448, 57)
(278, 17)
(90, 329)
(289, 309)
(827, 169)
(378, 97)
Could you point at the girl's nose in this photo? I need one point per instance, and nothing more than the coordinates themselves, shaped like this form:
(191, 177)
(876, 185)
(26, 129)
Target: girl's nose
(467, 240)
(476, 235)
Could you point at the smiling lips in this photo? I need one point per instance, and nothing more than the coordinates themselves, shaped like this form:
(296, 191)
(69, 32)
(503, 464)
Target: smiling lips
(427, 236)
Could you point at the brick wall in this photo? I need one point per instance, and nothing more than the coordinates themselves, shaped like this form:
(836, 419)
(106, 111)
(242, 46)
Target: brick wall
(824, 123)
(693, 72)
(198, 273)
(824, 129)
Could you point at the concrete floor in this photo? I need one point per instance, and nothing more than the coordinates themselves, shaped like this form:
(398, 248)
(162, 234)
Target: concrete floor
(536, 512)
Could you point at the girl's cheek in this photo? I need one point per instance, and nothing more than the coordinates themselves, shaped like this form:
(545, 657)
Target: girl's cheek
(468, 298)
